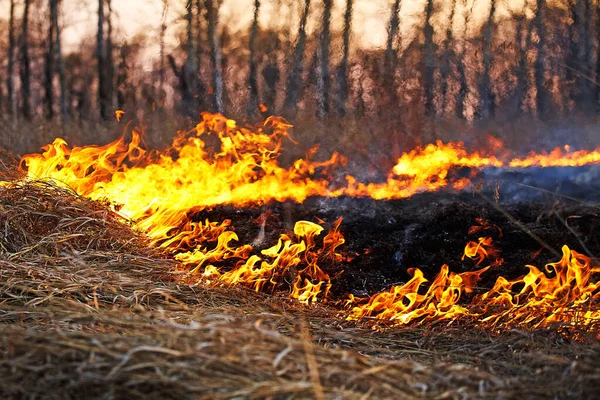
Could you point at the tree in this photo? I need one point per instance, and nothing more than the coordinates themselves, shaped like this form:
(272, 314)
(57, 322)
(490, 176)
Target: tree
(342, 72)
(10, 78)
(522, 48)
(390, 52)
(541, 98)
(49, 65)
(212, 16)
(389, 65)
(292, 94)
(103, 93)
(110, 73)
(323, 78)
(24, 65)
(461, 69)
(163, 32)
(428, 60)
(58, 59)
(253, 100)
(447, 55)
(487, 100)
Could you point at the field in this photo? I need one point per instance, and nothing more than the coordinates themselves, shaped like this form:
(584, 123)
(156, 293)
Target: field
(86, 307)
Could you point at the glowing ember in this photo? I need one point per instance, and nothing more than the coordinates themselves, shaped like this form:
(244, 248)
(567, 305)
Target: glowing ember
(159, 191)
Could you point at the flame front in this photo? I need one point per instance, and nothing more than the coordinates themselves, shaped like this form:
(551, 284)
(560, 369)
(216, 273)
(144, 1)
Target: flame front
(220, 162)
(564, 292)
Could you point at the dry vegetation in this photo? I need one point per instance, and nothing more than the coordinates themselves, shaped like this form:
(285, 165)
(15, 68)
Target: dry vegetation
(87, 307)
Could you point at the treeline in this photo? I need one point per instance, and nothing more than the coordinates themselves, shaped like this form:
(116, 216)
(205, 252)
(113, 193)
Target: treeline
(541, 61)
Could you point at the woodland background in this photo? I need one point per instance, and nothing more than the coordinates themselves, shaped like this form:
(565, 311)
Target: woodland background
(525, 72)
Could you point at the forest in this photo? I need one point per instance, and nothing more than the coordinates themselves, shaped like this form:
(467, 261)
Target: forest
(449, 70)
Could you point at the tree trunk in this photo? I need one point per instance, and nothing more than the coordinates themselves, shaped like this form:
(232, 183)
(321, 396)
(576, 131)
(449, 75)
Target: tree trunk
(190, 69)
(200, 87)
(58, 58)
(103, 98)
(10, 79)
(390, 52)
(292, 94)
(428, 61)
(24, 66)
(253, 100)
(447, 56)
(461, 69)
(323, 78)
(597, 87)
(487, 101)
(521, 88)
(541, 98)
(212, 15)
(390, 64)
(110, 70)
(580, 49)
(342, 73)
(49, 67)
(162, 71)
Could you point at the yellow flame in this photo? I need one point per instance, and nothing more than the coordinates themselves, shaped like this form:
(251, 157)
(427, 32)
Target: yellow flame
(220, 162)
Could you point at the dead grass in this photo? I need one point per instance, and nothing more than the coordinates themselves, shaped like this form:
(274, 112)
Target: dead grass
(87, 309)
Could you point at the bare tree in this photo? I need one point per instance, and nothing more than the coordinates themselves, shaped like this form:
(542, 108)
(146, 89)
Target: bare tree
(521, 72)
(110, 70)
(487, 101)
(186, 74)
(24, 65)
(390, 64)
(292, 94)
(212, 16)
(542, 96)
(162, 34)
(428, 60)
(10, 79)
(447, 55)
(200, 87)
(103, 94)
(323, 78)
(253, 75)
(461, 69)
(58, 59)
(49, 65)
(597, 87)
(579, 53)
(390, 52)
(342, 72)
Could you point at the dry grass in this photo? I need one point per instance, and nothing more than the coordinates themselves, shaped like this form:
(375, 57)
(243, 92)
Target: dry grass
(88, 310)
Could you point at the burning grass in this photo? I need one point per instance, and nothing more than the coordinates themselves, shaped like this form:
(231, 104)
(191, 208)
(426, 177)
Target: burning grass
(141, 288)
(87, 307)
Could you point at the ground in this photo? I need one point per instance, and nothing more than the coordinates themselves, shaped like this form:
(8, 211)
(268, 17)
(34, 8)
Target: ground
(86, 307)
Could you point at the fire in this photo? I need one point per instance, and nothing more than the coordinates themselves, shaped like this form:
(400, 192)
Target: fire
(558, 158)
(564, 292)
(220, 162)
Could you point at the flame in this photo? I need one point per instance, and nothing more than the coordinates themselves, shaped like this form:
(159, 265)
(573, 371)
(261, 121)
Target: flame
(220, 162)
(559, 157)
(119, 114)
(563, 292)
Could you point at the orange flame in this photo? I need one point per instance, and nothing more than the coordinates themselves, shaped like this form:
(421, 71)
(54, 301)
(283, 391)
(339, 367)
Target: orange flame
(162, 191)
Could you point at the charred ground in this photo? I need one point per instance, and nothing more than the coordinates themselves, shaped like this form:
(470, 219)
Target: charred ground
(385, 238)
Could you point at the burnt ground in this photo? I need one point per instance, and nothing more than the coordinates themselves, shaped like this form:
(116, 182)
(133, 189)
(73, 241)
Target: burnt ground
(386, 238)
(87, 307)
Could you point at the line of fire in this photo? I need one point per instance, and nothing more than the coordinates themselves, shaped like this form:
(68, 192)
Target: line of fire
(282, 199)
